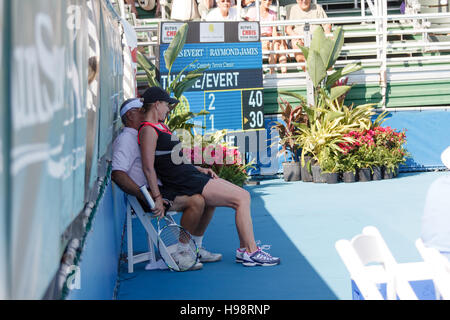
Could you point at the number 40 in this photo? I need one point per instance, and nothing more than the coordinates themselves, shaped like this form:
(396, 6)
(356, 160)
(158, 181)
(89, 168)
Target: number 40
(255, 100)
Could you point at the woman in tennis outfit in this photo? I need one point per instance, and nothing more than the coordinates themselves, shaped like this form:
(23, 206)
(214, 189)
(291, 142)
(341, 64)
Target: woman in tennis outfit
(156, 144)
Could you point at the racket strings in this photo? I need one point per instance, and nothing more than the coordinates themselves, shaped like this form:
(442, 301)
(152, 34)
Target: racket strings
(185, 254)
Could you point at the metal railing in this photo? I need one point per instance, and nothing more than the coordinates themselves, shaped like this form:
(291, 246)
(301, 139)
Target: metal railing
(386, 44)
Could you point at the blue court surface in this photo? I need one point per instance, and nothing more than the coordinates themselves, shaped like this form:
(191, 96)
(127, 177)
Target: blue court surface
(301, 222)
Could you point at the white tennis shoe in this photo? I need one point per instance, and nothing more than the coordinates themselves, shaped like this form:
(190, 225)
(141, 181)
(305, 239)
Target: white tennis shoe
(206, 256)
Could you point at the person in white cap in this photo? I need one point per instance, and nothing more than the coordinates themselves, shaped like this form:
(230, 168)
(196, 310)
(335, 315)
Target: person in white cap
(435, 231)
(128, 175)
(223, 12)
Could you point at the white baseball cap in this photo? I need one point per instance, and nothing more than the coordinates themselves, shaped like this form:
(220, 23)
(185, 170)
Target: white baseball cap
(130, 104)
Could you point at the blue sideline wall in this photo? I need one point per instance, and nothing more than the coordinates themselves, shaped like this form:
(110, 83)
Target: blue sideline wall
(99, 261)
(427, 134)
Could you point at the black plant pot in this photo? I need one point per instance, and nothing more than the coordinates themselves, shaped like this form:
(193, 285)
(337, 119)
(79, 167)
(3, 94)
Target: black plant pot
(291, 171)
(396, 172)
(306, 175)
(332, 177)
(388, 174)
(377, 174)
(348, 176)
(317, 174)
(364, 174)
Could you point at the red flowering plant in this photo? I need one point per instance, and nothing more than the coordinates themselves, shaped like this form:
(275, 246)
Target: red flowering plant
(390, 147)
(226, 161)
(379, 146)
(360, 151)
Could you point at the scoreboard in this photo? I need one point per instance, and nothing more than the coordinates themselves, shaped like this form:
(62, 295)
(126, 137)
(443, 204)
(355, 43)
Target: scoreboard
(231, 88)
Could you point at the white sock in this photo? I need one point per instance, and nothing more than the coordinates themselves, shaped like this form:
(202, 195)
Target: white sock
(198, 240)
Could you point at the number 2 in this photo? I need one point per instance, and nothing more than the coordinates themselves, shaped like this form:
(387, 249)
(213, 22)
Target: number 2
(211, 104)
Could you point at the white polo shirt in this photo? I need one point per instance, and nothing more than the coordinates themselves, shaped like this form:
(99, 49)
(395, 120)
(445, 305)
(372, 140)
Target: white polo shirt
(127, 155)
(215, 15)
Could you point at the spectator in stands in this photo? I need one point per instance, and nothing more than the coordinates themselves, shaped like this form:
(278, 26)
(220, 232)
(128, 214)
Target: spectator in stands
(147, 5)
(128, 175)
(157, 145)
(132, 3)
(205, 6)
(435, 231)
(304, 10)
(246, 5)
(223, 12)
(184, 10)
(266, 14)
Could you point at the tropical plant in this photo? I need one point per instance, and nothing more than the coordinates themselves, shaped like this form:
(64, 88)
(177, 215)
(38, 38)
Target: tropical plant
(180, 116)
(347, 162)
(329, 161)
(324, 130)
(340, 137)
(288, 129)
(390, 147)
(320, 58)
(380, 146)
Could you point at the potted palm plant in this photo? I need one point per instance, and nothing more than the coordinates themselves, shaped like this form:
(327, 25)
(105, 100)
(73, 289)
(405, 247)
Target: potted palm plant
(288, 131)
(324, 125)
(322, 137)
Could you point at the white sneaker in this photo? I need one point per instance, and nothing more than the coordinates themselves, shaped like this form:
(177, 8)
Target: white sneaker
(158, 265)
(206, 256)
(196, 266)
(184, 261)
(239, 255)
(259, 258)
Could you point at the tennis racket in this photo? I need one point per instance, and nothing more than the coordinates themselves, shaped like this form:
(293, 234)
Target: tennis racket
(175, 244)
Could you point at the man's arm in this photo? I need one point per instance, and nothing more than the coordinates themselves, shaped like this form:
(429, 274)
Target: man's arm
(127, 185)
(327, 28)
(245, 3)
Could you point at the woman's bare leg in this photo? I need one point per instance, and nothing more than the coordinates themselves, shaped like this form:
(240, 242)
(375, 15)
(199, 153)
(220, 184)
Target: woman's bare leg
(282, 58)
(221, 193)
(267, 45)
(192, 207)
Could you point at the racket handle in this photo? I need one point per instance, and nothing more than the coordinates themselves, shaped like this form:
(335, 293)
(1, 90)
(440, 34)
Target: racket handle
(147, 196)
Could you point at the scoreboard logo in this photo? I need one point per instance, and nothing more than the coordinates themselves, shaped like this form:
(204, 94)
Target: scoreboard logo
(248, 31)
(212, 32)
(169, 30)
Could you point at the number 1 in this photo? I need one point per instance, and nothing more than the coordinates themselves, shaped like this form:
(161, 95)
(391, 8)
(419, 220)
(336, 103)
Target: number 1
(211, 117)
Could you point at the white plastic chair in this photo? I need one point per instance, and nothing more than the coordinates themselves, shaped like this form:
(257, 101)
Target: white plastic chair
(370, 262)
(439, 268)
(133, 206)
